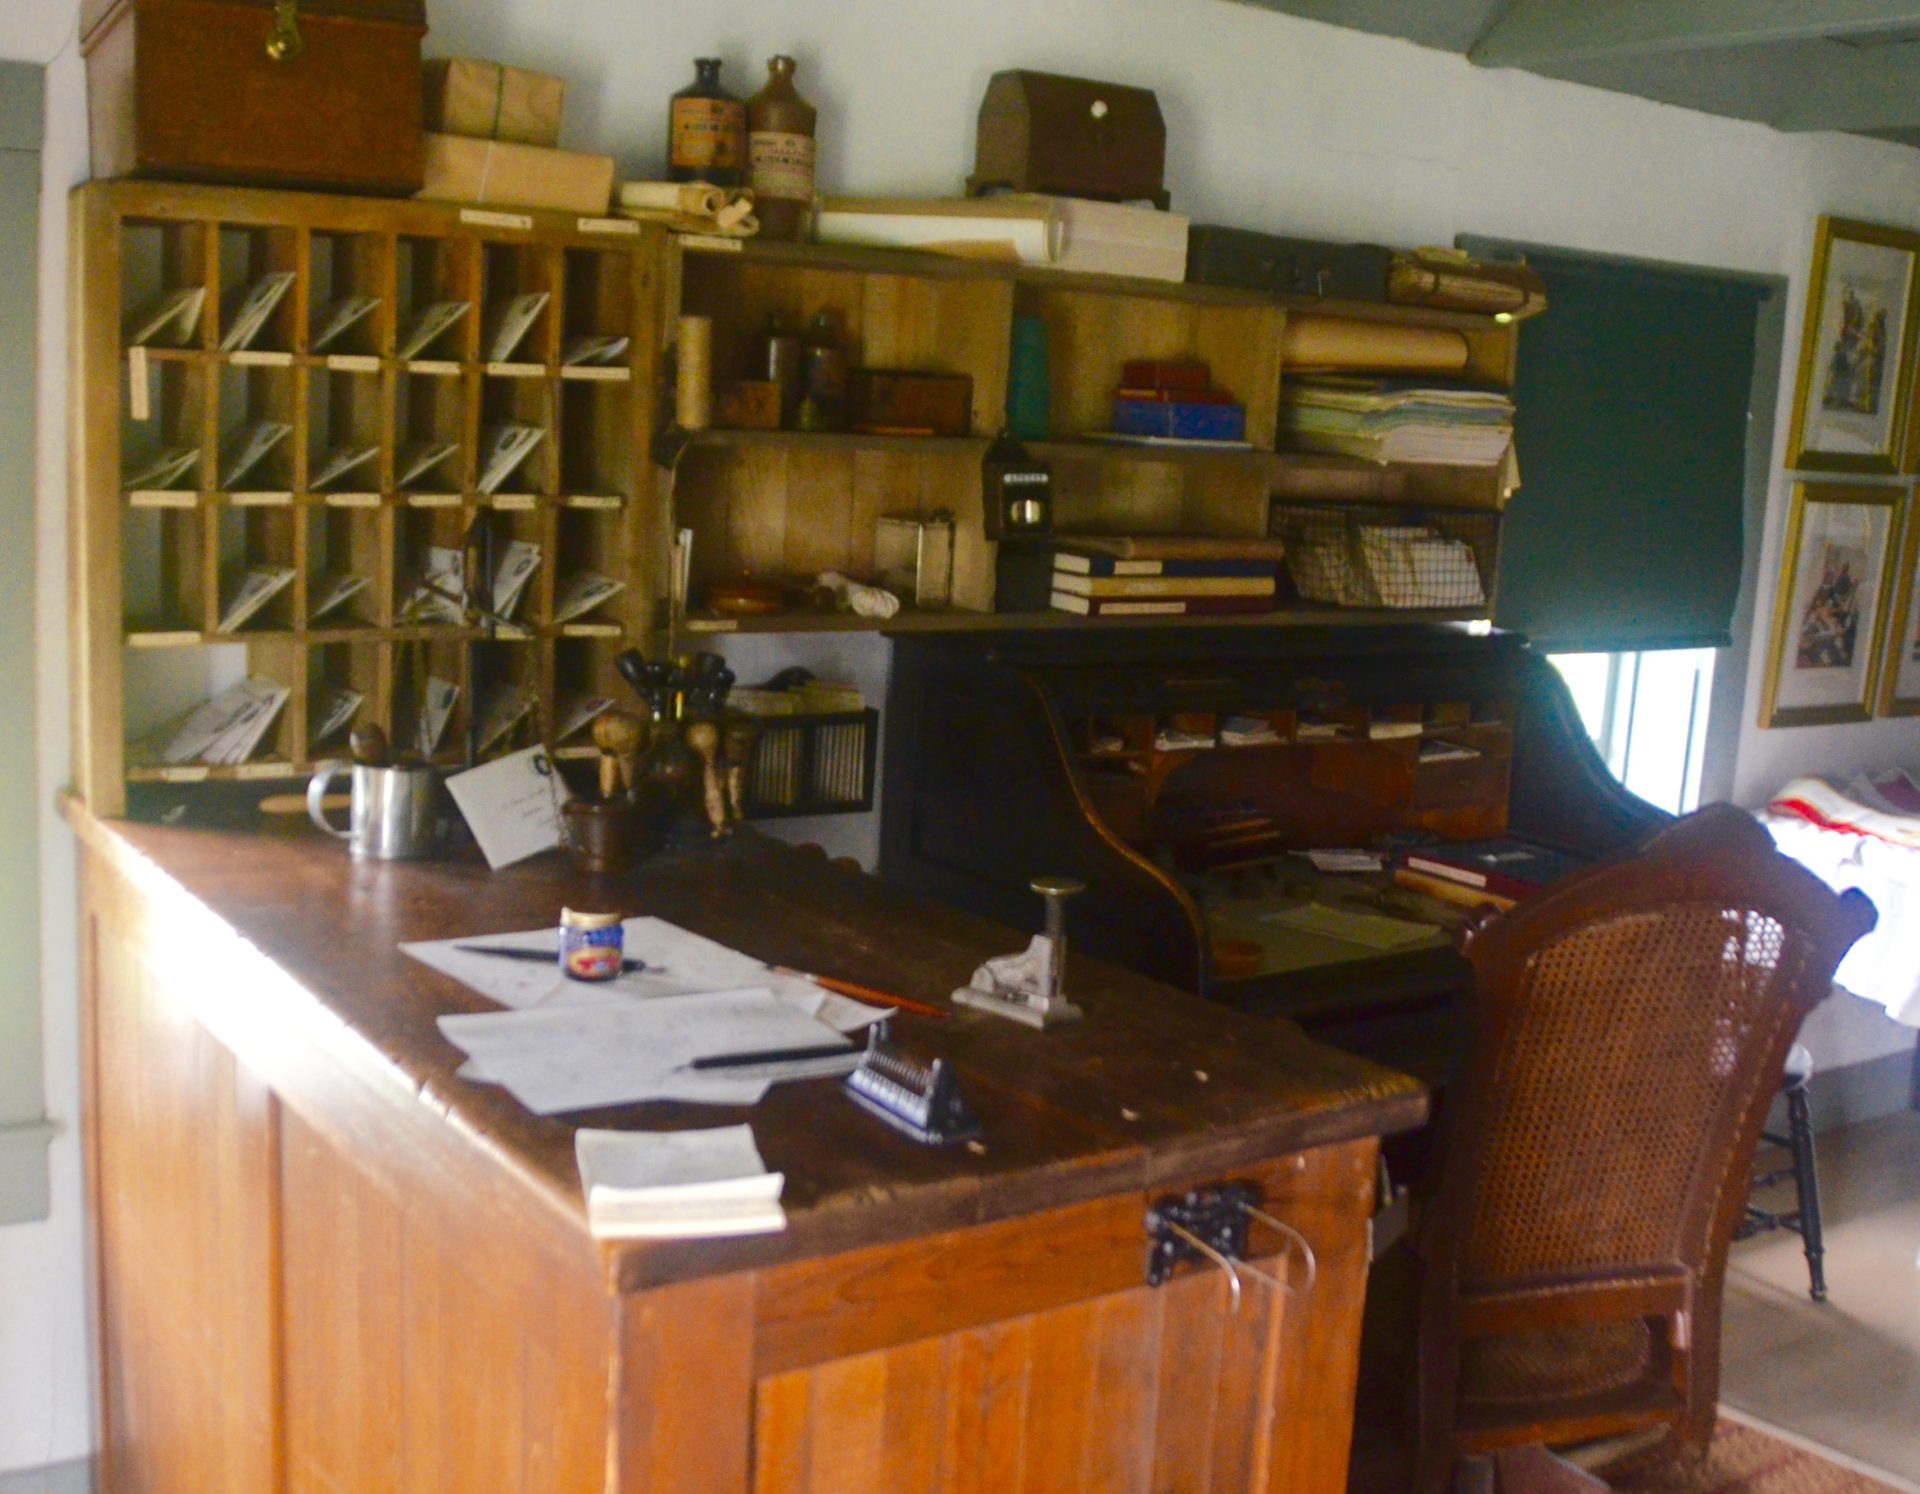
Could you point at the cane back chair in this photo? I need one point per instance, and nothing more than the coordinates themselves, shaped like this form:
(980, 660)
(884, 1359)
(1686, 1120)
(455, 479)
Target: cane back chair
(1630, 1024)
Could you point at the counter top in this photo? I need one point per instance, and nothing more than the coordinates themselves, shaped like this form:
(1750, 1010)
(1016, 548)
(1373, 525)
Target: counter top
(295, 948)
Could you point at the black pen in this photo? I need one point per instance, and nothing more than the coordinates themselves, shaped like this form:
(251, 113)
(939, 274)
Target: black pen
(544, 956)
(773, 1055)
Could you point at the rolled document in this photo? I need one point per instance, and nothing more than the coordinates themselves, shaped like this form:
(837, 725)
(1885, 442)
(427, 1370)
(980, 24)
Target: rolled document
(699, 198)
(1333, 342)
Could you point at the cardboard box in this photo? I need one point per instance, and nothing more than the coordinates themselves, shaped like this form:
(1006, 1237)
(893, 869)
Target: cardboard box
(498, 173)
(489, 101)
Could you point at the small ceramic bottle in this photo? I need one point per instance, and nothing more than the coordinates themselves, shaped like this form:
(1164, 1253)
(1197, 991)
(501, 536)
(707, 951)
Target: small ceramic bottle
(706, 130)
(780, 154)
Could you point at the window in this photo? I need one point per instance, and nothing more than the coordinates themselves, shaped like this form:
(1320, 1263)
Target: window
(1647, 715)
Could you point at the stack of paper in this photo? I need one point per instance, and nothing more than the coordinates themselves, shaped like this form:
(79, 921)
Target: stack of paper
(247, 448)
(163, 469)
(260, 585)
(578, 594)
(1397, 420)
(436, 712)
(334, 322)
(642, 1185)
(331, 590)
(586, 1055)
(169, 320)
(502, 449)
(331, 709)
(229, 727)
(508, 322)
(440, 595)
(428, 326)
(511, 573)
(248, 312)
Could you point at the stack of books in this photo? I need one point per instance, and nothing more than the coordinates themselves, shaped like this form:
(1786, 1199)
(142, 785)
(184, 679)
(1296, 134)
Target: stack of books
(1398, 420)
(1500, 872)
(1164, 575)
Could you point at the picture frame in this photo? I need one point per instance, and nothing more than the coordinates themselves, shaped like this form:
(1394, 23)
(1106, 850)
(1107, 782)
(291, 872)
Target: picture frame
(1835, 587)
(1900, 639)
(1856, 350)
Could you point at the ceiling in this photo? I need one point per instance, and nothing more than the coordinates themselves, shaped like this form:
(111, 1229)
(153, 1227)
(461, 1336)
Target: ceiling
(1851, 65)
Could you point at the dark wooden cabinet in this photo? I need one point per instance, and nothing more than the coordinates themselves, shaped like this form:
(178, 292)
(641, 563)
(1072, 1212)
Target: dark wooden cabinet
(1012, 755)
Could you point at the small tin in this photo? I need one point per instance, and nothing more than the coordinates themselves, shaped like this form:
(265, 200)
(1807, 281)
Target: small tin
(592, 945)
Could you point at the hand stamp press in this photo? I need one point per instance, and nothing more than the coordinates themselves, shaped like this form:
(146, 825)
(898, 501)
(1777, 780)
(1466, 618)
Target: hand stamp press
(1027, 987)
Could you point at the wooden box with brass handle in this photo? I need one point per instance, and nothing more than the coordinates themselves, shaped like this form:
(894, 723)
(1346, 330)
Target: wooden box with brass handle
(287, 93)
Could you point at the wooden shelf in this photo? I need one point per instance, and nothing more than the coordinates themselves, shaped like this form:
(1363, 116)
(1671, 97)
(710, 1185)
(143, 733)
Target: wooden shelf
(865, 260)
(720, 439)
(909, 620)
(585, 494)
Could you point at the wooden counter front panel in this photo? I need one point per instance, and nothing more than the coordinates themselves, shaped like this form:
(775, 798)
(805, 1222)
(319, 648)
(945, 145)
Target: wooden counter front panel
(293, 1295)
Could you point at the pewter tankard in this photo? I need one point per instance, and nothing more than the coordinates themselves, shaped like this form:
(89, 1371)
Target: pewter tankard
(395, 813)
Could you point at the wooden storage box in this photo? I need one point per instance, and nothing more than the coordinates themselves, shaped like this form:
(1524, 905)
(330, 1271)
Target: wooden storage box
(186, 88)
(1072, 137)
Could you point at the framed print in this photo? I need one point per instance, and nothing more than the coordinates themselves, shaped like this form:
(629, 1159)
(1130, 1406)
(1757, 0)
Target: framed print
(1856, 349)
(1900, 652)
(1836, 576)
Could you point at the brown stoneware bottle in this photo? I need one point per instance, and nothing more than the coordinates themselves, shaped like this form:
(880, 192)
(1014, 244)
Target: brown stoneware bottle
(780, 149)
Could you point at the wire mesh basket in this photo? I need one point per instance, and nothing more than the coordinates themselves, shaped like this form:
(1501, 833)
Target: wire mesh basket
(1389, 555)
(807, 765)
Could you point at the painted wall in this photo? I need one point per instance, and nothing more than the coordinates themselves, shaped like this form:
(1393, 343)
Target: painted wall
(45, 1414)
(1272, 122)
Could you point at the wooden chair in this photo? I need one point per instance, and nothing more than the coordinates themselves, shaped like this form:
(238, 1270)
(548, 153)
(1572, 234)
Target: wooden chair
(1630, 1027)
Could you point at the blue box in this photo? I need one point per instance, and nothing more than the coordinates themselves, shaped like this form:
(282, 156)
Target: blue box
(1180, 419)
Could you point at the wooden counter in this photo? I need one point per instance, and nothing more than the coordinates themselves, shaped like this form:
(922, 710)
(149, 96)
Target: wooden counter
(324, 1261)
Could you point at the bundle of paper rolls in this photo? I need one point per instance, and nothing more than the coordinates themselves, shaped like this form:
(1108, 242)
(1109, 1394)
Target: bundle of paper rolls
(491, 133)
(691, 207)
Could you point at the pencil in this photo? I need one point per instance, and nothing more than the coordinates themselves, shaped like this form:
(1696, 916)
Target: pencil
(865, 993)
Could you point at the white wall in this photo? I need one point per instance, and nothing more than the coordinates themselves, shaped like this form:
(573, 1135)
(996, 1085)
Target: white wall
(44, 1396)
(1272, 122)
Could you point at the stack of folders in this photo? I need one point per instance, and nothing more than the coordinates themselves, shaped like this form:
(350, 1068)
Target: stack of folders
(1398, 420)
(1164, 576)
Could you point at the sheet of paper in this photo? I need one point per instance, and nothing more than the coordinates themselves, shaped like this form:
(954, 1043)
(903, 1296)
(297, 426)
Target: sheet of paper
(559, 1058)
(678, 962)
(1327, 859)
(512, 805)
(1369, 930)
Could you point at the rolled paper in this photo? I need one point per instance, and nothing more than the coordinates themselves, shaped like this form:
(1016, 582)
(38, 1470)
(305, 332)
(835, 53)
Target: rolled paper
(1333, 342)
(693, 387)
(701, 199)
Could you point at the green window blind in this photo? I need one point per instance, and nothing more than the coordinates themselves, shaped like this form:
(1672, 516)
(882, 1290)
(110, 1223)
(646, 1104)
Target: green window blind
(1631, 428)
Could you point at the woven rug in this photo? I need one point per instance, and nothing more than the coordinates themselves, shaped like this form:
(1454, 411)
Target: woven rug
(1746, 1460)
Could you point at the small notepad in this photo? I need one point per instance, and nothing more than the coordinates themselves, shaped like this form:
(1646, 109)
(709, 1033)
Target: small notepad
(677, 1184)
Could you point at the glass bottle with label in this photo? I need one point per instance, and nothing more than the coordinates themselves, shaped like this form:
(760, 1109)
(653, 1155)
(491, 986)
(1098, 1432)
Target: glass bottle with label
(706, 130)
(780, 148)
(825, 376)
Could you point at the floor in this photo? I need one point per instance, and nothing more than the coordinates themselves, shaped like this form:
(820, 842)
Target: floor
(1845, 1373)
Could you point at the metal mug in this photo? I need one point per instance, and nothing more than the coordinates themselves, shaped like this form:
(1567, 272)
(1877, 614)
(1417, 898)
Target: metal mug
(395, 812)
